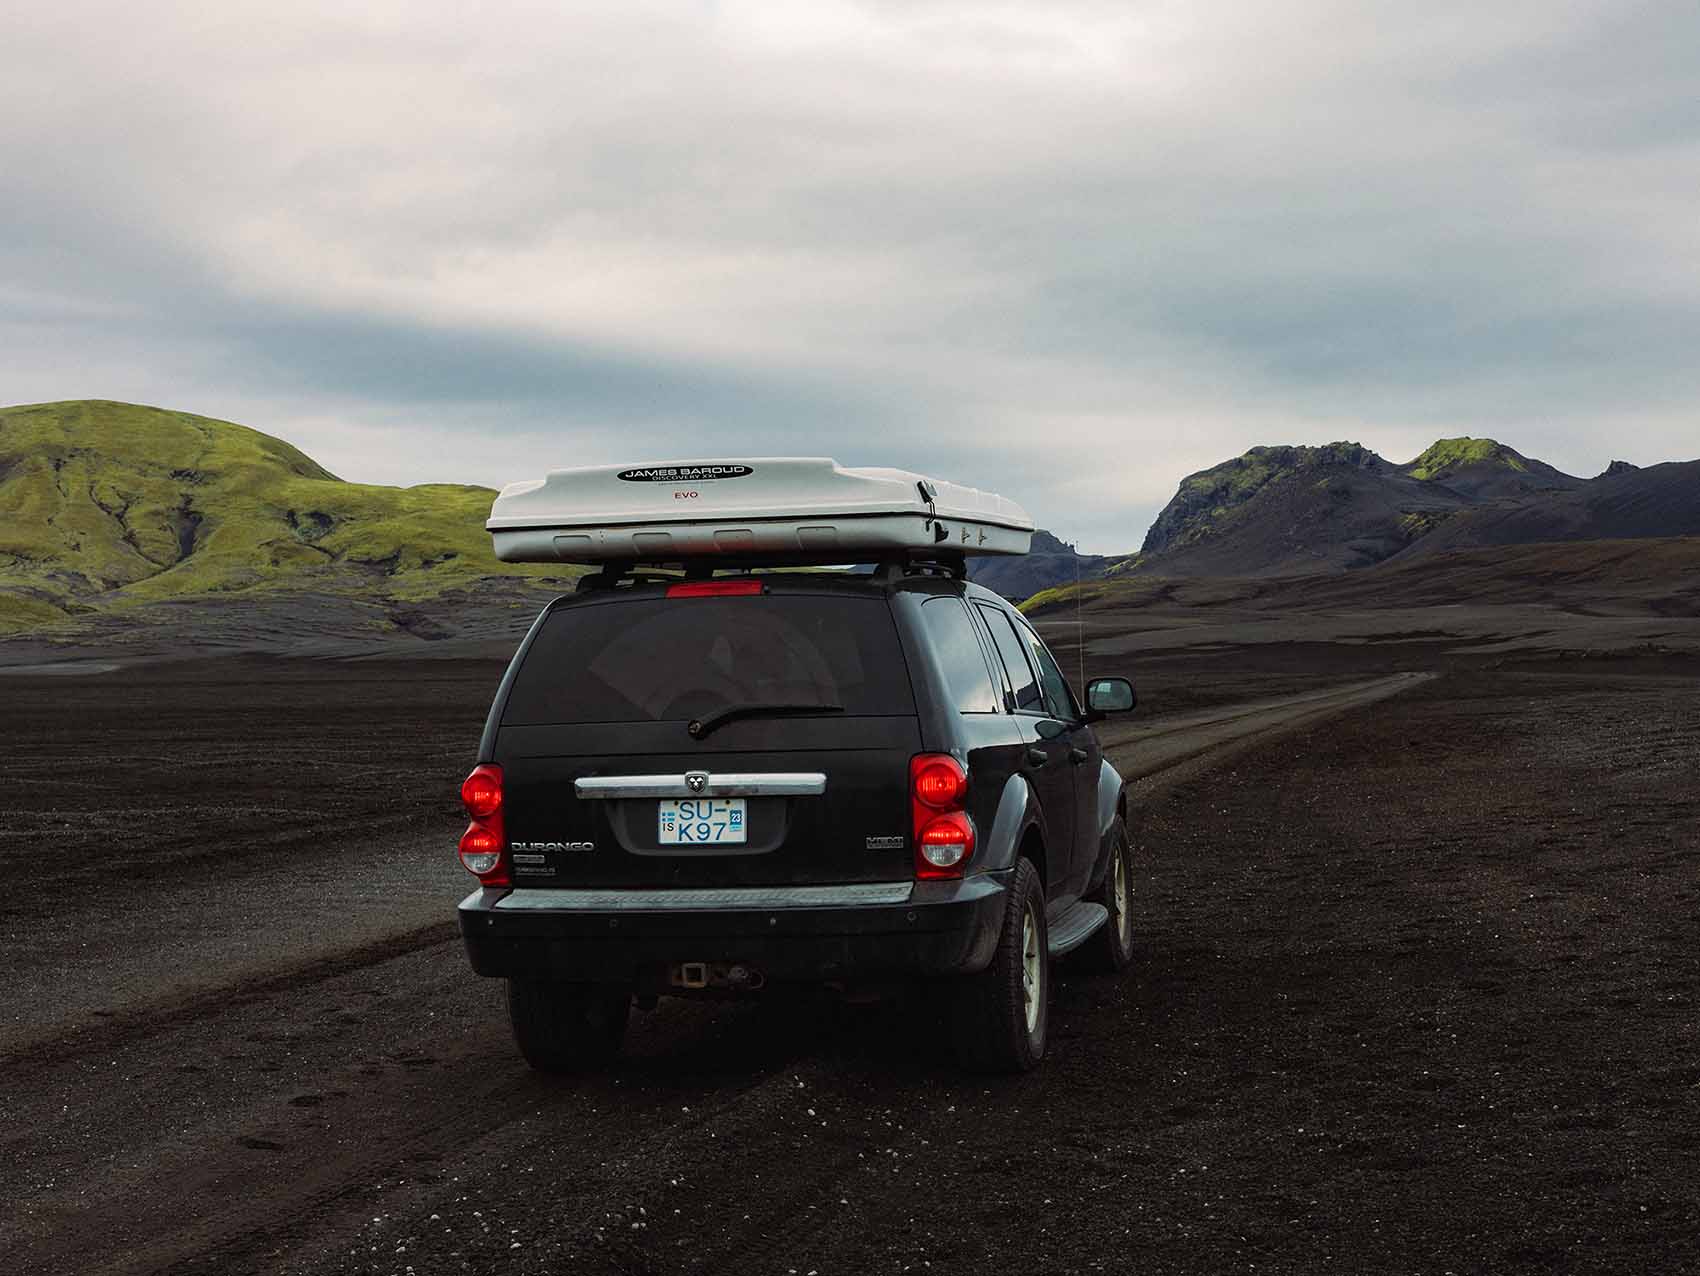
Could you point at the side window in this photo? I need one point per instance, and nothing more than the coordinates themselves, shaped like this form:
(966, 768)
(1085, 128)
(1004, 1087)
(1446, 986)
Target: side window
(961, 658)
(1011, 650)
(1057, 695)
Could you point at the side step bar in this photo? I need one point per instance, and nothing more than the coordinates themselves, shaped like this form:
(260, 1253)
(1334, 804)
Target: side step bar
(1076, 926)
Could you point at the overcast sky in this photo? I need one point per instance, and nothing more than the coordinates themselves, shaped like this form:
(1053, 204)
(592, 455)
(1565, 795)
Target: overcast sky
(1070, 251)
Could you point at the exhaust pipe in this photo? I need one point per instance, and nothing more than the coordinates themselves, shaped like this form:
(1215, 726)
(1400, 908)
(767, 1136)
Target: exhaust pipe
(744, 977)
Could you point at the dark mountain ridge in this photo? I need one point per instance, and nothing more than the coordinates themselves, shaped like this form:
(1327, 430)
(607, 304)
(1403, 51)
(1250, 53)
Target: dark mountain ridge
(1049, 563)
(1283, 511)
(1631, 504)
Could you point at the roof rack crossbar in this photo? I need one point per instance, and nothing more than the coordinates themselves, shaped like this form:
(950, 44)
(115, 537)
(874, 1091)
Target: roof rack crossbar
(613, 574)
(933, 562)
(951, 564)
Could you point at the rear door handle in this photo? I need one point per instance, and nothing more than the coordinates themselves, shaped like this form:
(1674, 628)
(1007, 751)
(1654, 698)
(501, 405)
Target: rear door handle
(1037, 757)
(1077, 756)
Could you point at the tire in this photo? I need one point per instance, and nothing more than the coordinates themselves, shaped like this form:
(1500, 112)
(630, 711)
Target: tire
(567, 1027)
(1110, 950)
(1001, 1016)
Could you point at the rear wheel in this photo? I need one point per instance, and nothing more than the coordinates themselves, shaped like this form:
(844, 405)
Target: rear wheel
(1111, 947)
(1003, 1013)
(567, 1027)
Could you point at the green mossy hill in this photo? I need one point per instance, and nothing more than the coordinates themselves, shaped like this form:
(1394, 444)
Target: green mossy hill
(1448, 455)
(1050, 599)
(1207, 498)
(107, 504)
(1140, 592)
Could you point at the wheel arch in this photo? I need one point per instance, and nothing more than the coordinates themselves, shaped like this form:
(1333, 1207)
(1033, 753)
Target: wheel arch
(1111, 806)
(1018, 830)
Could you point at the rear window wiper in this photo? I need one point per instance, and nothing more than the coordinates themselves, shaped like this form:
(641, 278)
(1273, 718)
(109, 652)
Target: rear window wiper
(699, 727)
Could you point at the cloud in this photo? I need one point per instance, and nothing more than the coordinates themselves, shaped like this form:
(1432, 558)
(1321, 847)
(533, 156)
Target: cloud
(1072, 251)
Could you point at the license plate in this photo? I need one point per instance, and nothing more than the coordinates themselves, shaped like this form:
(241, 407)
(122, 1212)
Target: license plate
(702, 820)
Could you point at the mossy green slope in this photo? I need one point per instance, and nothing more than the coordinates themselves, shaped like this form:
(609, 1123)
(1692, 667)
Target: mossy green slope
(1446, 455)
(109, 504)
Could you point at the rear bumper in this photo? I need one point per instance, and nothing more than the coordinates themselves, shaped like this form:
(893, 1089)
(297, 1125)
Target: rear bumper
(809, 933)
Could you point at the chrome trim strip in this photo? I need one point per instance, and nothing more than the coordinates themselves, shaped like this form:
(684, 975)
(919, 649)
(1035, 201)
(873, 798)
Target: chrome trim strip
(752, 784)
(751, 897)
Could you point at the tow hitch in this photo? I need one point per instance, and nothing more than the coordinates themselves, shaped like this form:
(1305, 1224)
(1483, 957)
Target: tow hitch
(734, 976)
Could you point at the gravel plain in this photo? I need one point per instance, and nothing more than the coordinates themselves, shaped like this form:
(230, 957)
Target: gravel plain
(1416, 993)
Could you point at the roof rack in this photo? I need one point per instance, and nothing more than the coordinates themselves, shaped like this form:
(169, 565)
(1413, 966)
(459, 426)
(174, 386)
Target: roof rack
(889, 568)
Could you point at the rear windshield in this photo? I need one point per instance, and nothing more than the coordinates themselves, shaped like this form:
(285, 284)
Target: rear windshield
(674, 659)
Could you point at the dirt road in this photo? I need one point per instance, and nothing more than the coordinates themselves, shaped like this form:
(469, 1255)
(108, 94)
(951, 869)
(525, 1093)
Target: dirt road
(1185, 744)
(1416, 993)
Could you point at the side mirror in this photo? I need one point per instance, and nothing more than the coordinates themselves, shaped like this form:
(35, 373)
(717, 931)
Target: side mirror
(1110, 695)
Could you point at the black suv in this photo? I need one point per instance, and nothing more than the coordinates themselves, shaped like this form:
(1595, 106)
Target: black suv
(717, 785)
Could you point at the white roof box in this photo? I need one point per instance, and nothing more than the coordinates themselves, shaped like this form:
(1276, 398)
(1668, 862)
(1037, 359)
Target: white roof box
(764, 509)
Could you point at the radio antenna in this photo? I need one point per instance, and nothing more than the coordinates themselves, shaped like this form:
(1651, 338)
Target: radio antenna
(1079, 620)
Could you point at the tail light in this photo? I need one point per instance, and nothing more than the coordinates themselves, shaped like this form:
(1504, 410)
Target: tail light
(484, 845)
(938, 797)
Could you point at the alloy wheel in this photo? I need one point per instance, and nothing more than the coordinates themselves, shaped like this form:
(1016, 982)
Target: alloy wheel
(1032, 969)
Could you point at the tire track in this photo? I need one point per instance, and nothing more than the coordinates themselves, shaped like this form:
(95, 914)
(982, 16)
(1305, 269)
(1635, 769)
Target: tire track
(145, 1019)
(1196, 742)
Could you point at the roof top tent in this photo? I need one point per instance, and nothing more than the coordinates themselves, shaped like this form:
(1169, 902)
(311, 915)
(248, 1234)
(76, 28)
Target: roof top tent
(764, 511)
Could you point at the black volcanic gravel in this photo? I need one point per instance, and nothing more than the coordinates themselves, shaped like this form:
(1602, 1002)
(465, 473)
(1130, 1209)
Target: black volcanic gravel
(1416, 993)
